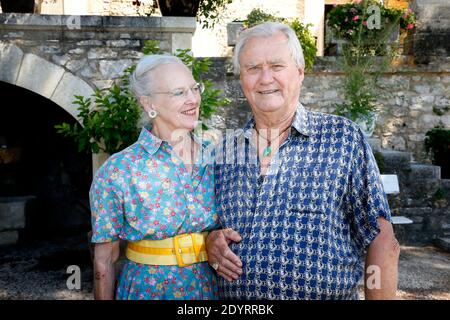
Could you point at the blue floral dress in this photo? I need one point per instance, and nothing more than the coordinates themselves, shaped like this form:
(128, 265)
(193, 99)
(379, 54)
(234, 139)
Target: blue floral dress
(143, 192)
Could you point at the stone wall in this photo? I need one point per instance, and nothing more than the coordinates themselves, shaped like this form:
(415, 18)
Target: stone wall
(93, 48)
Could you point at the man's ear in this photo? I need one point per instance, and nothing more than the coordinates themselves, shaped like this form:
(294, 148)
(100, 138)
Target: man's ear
(301, 73)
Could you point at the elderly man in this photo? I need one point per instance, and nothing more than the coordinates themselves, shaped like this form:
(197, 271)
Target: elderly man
(298, 193)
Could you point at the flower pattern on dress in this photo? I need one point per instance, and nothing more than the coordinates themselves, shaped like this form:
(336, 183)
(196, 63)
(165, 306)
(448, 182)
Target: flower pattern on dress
(145, 192)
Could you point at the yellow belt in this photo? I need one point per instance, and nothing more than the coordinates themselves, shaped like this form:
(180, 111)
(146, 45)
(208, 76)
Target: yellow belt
(181, 250)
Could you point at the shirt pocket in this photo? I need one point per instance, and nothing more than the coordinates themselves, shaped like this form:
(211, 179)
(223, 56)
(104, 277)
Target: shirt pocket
(308, 191)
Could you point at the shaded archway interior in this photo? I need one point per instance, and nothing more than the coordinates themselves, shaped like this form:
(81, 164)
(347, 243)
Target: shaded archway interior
(42, 164)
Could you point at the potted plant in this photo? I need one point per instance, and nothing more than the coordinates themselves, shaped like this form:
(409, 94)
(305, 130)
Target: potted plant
(366, 52)
(370, 20)
(18, 6)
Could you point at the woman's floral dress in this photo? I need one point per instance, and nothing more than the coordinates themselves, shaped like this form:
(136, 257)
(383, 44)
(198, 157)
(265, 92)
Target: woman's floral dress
(143, 192)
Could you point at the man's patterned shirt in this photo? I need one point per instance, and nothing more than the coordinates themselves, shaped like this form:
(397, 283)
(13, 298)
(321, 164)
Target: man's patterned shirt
(307, 223)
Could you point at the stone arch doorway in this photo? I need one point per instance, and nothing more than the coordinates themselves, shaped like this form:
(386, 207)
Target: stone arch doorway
(44, 177)
(40, 76)
(44, 180)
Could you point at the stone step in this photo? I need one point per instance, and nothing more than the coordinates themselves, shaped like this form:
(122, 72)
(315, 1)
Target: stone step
(8, 237)
(443, 243)
(424, 172)
(374, 143)
(395, 161)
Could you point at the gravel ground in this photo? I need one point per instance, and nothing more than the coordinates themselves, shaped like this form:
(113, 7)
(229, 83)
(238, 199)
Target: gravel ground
(39, 271)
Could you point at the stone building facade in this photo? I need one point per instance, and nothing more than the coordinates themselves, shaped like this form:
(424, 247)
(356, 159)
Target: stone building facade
(58, 57)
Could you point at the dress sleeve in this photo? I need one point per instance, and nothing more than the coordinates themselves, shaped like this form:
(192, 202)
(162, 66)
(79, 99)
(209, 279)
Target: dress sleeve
(106, 206)
(367, 199)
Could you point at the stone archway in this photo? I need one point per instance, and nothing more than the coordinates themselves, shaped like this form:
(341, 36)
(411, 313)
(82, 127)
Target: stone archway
(49, 80)
(39, 76)
(36, 74)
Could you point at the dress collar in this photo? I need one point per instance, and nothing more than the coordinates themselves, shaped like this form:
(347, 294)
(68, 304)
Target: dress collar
(152, 143)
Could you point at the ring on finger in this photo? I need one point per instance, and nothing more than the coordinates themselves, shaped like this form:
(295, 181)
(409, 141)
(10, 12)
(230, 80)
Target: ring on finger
(215, 265)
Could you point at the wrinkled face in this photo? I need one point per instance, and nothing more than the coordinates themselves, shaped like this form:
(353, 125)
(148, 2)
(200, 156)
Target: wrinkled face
(174, 97)
(269, 77)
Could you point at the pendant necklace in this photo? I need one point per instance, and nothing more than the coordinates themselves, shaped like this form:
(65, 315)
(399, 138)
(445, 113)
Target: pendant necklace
(268, 149)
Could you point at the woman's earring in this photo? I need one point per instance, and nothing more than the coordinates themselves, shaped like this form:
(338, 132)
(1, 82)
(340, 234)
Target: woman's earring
(152, 114)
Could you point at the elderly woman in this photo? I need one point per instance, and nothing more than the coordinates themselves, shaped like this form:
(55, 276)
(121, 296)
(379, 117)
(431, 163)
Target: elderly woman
(157, 196)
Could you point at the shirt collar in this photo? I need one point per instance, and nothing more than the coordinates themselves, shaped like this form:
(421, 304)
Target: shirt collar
(301, 123)
(149, 141)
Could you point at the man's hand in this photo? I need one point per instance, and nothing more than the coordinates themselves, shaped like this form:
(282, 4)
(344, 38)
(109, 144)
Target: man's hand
(217, 247)
(383, 253)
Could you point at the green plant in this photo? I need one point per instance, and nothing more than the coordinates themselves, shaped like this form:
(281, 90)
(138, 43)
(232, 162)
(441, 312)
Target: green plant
(359, 19)
(257, 16)
(308, 42)
(440, 194)
(408, 20)
(437, 143)
(208, 12)
(360, 93)
(112, 124)
(365, 55)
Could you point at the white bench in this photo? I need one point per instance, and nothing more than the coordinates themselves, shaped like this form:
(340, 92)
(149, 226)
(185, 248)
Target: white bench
(390, 186)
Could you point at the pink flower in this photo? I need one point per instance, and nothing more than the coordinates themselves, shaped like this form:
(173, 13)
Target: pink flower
(355, 18)
(410, 26)
(365, 23)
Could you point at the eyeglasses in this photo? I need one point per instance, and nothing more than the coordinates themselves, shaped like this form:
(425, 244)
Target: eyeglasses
(197, 88)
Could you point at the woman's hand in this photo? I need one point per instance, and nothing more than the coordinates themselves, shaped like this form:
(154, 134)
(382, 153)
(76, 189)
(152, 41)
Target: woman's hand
(105, 256)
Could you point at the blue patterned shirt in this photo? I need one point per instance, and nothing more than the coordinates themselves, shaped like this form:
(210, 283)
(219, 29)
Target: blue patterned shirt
(307, 223)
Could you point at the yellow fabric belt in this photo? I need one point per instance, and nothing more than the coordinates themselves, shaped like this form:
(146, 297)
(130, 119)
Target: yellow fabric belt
(181, 250)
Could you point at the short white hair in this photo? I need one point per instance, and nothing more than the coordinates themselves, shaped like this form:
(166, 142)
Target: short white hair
(141, 79)
(269, 29)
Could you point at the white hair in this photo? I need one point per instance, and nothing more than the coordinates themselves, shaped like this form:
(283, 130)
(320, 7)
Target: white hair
(269, 29)
(141, 79)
